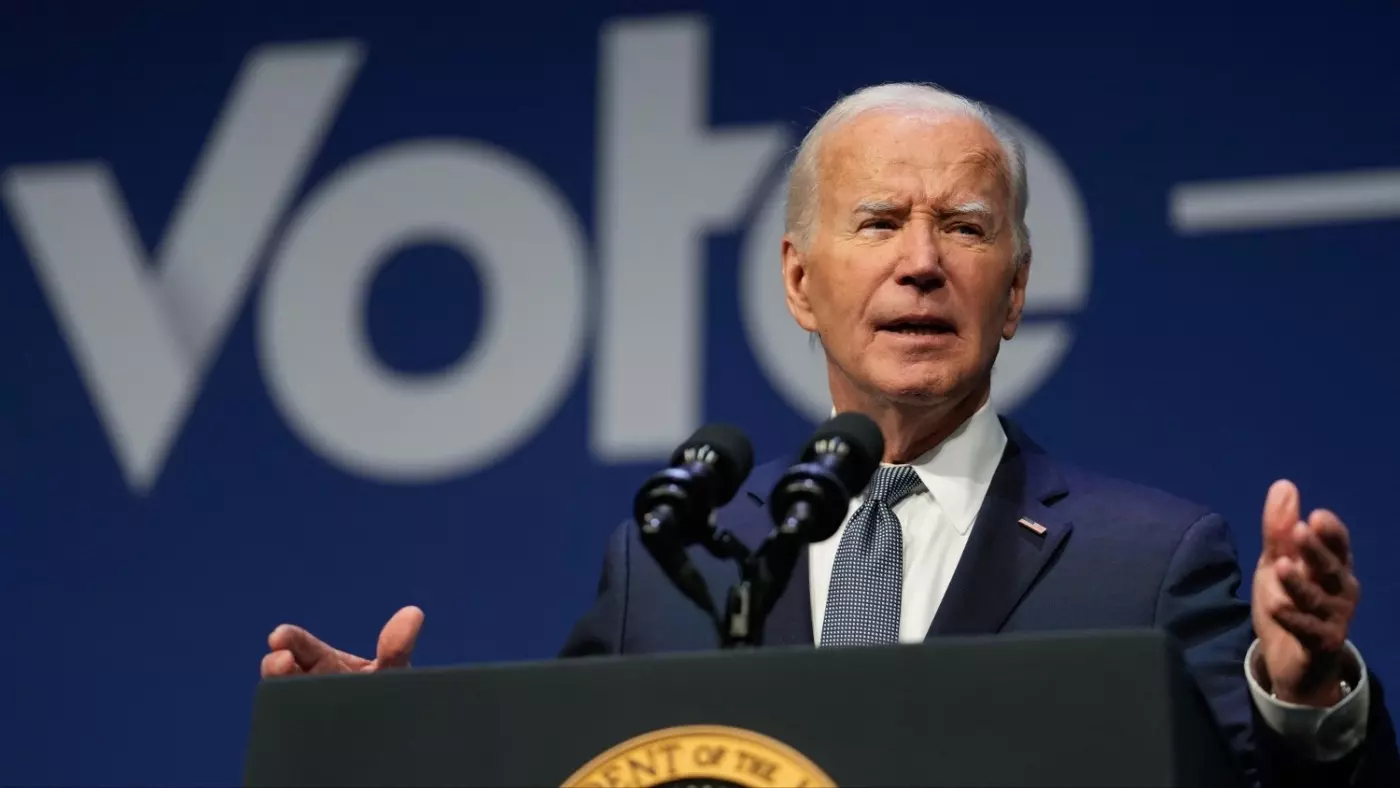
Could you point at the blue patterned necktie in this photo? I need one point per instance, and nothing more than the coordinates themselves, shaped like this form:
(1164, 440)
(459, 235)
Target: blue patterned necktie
(867, 579)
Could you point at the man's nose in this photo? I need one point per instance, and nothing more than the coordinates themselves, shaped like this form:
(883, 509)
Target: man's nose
(921, 264)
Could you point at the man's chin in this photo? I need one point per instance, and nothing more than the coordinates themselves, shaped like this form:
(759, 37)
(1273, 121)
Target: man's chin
(927, 387)
(916, 391)
(913, 384)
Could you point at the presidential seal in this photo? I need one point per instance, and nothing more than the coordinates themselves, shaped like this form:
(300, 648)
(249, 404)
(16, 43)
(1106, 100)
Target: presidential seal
(700, 756)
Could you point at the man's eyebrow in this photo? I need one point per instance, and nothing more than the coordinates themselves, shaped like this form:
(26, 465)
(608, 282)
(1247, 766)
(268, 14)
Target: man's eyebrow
(877, 206)
(971, 206)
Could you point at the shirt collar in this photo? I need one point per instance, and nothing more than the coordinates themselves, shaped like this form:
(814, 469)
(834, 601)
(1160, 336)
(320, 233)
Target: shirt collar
(958, 471)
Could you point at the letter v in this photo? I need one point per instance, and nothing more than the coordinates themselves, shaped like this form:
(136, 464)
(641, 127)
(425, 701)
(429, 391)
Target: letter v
(144, 336)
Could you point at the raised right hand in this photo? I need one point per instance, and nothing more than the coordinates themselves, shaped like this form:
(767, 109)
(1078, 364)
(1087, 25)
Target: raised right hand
(293, 650)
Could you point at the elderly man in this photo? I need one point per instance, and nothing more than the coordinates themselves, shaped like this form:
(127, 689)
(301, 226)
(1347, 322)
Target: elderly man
(907, 255)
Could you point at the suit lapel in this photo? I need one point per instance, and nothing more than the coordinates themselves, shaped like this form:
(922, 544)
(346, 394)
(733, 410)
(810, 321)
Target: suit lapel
(1003, 556)
(790, 621)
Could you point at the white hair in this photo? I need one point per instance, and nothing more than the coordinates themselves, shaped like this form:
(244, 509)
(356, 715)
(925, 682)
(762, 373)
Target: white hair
(913, 99)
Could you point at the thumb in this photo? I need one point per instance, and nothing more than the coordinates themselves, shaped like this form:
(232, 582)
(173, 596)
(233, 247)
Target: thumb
(397, 638)
(1280, 516)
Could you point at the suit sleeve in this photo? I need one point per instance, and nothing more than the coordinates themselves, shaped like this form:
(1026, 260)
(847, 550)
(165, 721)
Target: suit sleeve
(1199, 604)
(600, 629)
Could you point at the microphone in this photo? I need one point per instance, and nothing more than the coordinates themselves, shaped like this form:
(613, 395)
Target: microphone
(810, 501)
(705, 472)
(674, 507)
(808, 504)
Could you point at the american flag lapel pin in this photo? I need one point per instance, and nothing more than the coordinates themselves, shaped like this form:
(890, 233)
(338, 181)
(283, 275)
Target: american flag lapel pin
(1035, 527)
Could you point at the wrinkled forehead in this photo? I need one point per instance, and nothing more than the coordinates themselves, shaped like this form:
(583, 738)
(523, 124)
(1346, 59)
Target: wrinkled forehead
(919, 157)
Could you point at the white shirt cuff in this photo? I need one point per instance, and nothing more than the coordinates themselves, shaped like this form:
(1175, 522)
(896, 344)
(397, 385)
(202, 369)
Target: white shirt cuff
(1321, 734)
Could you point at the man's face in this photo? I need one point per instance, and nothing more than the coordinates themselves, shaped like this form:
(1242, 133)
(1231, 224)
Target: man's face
(908, 278)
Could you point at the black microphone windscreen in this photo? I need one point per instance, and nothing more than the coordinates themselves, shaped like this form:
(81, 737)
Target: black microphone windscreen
(866, 447)
(733, 460)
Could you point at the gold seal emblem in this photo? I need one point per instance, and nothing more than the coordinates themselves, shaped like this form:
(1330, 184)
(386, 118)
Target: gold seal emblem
(700, 755)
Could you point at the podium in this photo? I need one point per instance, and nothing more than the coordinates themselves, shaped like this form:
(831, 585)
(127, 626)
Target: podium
(1064, 709)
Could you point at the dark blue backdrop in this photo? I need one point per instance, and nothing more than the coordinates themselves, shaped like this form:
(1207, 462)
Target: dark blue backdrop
(1207, 362)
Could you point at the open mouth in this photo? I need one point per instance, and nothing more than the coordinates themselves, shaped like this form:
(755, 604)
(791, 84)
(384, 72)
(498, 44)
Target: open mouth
(919, 327)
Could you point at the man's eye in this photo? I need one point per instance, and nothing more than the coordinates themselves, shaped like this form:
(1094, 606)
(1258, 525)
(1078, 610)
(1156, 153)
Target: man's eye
(968, 229)
(878, 224)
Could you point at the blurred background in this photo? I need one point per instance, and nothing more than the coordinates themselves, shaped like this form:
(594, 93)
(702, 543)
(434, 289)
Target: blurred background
(314, 310)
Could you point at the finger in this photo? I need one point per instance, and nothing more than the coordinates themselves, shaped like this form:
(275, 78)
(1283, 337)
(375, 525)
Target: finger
(1280, 514)
(1333, 533)
(1306, 595)
(1271, 594)
(1270, 598)
(351, 662)
(398, 637)
(305, 648)
(1324, 567)
(1319, 637)
(279, 663)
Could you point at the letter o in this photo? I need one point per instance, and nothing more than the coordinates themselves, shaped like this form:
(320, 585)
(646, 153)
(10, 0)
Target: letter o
(319, 366)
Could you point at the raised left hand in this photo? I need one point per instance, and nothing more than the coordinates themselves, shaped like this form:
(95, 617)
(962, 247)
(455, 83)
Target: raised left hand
(1303, 600)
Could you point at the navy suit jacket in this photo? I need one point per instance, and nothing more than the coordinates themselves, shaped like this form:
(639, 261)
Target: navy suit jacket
(1114, 555)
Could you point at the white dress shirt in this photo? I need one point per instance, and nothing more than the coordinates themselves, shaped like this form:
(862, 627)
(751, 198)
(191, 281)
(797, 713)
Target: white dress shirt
(936, 522)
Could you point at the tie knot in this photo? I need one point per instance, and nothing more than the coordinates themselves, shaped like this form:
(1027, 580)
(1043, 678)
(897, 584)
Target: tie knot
(892, 484)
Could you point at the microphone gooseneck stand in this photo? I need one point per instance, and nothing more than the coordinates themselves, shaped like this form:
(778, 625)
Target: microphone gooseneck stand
(749, 601)
(808, 505)
(675, 510)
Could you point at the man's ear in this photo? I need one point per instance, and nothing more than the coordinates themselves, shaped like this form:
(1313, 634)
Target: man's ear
(795, 282)
(1017, 302)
